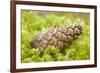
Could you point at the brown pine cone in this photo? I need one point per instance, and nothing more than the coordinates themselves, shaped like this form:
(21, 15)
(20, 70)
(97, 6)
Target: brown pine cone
(59, 37)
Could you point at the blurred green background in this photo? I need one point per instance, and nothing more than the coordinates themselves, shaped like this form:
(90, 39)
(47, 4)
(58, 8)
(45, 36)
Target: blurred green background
(35, 21)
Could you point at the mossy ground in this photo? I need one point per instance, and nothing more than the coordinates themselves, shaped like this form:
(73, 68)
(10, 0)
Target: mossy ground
(35, 21)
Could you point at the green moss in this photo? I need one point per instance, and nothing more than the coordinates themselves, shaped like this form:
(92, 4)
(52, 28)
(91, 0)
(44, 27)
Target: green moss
(34, 21)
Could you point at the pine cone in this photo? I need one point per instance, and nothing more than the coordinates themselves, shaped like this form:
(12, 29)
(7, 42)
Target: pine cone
(59, 37)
